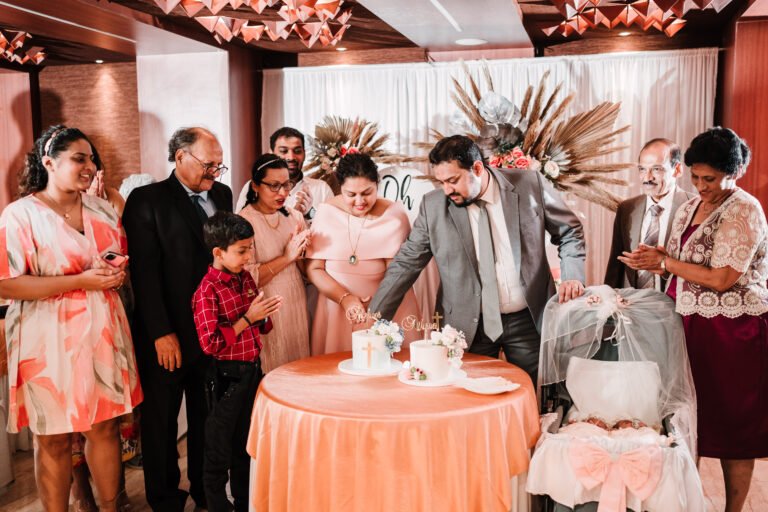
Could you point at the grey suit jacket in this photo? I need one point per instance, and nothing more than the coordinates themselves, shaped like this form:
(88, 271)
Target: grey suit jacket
(531, 206)
(627, 227)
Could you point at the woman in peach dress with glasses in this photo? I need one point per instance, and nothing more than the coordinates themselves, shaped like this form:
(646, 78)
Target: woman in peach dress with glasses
(279, 242)
(354, 236)
(70, 355)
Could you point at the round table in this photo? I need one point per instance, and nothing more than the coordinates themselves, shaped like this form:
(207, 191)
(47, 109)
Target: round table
(327, 441)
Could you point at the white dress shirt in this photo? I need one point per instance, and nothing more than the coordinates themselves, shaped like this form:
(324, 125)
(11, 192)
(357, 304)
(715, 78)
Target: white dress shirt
(321, 192)
(664, 218)
(205, 201)
(511, 292)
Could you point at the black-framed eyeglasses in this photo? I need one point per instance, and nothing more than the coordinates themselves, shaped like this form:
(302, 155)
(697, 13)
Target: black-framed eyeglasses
(275, 187)
(211, 169)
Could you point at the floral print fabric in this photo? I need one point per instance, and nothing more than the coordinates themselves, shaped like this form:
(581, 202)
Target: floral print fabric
(70, 357)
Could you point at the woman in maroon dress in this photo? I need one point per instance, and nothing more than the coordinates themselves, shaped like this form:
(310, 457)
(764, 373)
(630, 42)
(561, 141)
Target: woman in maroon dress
(717, 257)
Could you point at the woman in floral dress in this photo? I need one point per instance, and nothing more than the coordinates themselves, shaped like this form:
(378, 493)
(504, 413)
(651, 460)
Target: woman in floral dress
(70, 356)
(717, 257)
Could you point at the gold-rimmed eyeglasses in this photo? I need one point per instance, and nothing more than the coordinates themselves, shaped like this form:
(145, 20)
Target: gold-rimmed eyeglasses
(210, 169)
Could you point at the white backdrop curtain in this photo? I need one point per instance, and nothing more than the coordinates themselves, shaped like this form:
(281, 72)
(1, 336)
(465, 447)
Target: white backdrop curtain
(663, 94)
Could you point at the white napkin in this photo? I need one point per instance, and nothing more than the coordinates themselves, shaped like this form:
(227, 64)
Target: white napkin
(488, 385)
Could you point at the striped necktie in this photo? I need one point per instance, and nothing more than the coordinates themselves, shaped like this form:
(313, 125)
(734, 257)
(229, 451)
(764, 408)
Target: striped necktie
(646, 279)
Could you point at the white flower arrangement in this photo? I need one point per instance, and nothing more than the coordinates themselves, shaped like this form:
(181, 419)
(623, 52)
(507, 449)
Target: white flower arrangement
(454, 340)
(393, 332)
(552, 169)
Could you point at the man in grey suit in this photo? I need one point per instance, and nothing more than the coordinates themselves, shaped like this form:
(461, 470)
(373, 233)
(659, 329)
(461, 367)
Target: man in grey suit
(647, 218)
(485, 230)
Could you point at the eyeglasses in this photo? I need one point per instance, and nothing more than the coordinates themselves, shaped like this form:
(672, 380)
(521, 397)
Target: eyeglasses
(656, 170)
(211, 169)
(275, 187)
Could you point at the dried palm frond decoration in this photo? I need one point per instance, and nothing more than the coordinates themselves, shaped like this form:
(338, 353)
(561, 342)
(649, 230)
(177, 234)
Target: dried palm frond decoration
(539, 138)
(337, 136)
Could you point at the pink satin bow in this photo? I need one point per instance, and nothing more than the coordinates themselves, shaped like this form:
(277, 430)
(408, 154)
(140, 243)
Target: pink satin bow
(638, 470)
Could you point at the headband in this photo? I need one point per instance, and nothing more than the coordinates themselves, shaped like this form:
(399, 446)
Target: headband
(49, 142)
(268, 163)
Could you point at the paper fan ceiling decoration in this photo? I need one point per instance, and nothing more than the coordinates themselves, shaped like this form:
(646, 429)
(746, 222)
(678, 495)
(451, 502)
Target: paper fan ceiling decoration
(312, 21)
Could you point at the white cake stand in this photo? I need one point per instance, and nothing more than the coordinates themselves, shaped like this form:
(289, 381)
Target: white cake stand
(346, 367)
(453, 377)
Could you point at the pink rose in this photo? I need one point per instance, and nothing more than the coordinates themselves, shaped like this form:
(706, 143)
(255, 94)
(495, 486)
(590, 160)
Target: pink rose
(522, 163)
(517, 153)
(353, 151)
(496, 161)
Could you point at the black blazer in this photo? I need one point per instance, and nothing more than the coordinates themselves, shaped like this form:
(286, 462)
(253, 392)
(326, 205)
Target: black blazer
(168, 259)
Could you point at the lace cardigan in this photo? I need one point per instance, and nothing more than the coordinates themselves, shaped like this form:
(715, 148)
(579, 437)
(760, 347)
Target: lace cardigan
(734, 235)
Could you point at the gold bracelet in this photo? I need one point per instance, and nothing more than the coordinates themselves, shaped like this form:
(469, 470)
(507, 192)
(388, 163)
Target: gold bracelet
(270, 270)
(344, 297)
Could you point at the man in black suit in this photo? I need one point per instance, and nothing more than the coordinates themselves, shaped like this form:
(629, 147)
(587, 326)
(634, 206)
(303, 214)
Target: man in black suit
(164, 224)
(647, 218)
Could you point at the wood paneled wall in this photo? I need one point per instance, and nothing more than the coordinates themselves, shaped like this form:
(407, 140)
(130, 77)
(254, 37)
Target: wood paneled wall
(101, 100)
(244, 105)
(352, 57)
(744, 103)
(15, 130)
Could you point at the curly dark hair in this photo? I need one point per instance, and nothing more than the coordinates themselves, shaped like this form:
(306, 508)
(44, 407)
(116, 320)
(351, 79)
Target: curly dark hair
(458, 148)
(720, 148)
(56, 139)
(356, 165)
(224, 229)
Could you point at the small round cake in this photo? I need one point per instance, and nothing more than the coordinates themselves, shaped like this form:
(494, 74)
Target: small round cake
(431, 359)
(369, 351)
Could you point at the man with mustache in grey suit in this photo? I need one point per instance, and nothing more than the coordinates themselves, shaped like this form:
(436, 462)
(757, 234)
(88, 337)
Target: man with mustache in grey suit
(486, 231)
(647, 218)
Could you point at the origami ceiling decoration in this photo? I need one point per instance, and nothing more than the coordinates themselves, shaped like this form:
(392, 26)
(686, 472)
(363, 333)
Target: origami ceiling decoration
(663, 15)
(310, 20)
(13, 51)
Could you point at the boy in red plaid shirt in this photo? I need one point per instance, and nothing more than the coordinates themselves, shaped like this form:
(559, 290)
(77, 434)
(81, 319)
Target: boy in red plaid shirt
(230, 314)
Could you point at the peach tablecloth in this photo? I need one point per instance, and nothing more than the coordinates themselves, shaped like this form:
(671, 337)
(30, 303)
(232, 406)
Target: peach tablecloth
(326, 441)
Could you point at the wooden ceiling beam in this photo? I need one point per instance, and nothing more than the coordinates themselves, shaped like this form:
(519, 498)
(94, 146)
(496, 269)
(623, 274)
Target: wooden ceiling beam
(70, 20)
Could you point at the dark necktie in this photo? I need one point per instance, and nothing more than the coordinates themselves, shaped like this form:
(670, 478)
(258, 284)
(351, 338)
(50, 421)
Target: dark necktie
(490, 289)
(197, 201)
(646, 279)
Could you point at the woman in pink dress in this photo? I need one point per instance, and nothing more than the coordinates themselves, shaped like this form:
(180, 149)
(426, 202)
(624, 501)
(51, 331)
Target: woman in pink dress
(70, 356)
(279, 242)
(354, 236)
(717, 256)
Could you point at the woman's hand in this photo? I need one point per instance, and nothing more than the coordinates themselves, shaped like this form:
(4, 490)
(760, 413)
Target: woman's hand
(297, 244)
(263, 307)
(97, 186)
(354, 309)
(644, 258)
(101, 279)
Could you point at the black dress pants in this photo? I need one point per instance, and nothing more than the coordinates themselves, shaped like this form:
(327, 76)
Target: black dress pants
(232, 390)
(520, 342)
(163, 391)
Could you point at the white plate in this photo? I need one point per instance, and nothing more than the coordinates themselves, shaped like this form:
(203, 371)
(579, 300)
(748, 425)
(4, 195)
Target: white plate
(346, 367)
(488, 385)
(454, 376)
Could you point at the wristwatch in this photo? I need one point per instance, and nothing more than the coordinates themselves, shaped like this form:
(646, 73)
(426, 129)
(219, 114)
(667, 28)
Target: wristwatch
(310, 213)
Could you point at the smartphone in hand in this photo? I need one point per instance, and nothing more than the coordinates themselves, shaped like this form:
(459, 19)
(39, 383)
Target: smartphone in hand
(114, 258)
